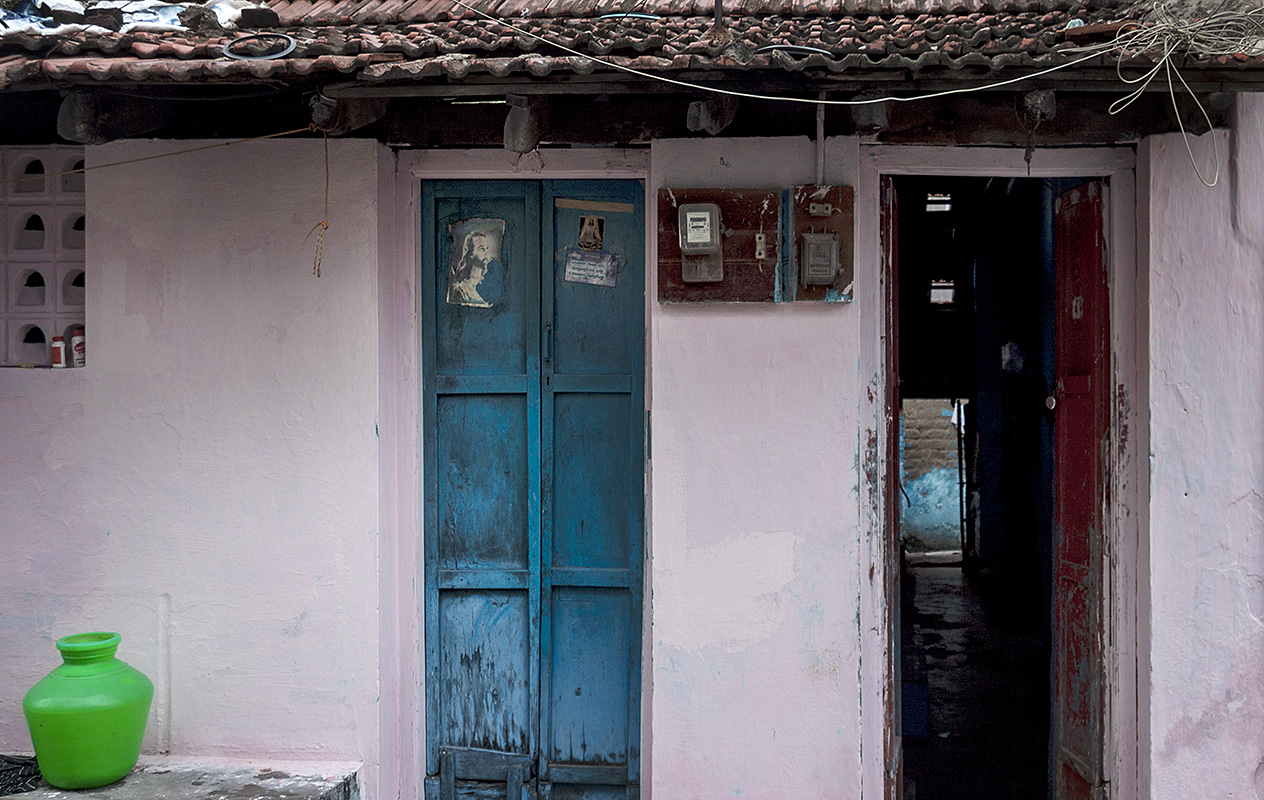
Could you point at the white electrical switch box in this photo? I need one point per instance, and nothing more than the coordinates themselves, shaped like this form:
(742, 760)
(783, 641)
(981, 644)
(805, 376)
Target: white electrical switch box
(819, 263)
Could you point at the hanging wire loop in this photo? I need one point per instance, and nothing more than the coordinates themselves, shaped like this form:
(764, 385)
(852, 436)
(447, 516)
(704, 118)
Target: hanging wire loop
(284, 38)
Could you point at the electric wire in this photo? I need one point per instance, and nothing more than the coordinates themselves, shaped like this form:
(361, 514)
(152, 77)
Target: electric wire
(81, 170)
(1162, 29)
(1162, 33)
(777, 98)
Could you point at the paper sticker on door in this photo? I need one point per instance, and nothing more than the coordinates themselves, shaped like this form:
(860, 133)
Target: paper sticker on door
(596, 267)
(592, 232)
(476, 266)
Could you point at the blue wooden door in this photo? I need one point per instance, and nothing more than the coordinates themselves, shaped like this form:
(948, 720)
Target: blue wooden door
(533, 365)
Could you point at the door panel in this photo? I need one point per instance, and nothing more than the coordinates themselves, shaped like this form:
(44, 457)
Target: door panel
(893, 778)
(589, 700)
(591, 486)
(1075, 685)
(480, 404)
(534, 481)
(593, 401)
(495, 340)
(485, 675)
(477, 462)
(1080, 429)
(598, 327)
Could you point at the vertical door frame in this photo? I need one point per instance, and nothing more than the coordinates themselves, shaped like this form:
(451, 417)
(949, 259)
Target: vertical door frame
(401, 573)
(1126, 714)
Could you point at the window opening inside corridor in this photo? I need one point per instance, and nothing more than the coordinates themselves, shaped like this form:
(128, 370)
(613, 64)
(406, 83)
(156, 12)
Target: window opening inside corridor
(976, 481)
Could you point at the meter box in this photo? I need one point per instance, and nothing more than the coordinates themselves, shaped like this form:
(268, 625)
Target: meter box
(818, 263)
(719, 245)
(698, 227)
(822, 243)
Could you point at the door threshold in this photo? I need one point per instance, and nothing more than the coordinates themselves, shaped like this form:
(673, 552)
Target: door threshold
(943, 558)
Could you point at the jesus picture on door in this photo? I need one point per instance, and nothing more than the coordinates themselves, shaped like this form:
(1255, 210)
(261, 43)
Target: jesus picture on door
(476, 266)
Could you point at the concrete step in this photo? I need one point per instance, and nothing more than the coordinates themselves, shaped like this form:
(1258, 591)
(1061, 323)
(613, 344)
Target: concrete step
(171, 778)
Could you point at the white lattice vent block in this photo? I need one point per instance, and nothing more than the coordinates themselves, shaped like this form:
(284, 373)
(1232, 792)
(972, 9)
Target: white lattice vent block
(30, 169)
(70, 238)
(32, 233)
(71, 181)
(29, 340)
(42, 243)
(31, 287)
(70, 286)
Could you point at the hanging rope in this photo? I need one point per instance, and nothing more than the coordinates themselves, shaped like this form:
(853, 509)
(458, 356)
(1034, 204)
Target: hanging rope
(320, 227)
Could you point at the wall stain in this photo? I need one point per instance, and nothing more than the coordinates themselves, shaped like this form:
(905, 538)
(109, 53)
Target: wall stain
(824, 663)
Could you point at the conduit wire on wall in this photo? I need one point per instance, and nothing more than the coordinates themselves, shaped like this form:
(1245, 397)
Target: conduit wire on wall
(1162, 29)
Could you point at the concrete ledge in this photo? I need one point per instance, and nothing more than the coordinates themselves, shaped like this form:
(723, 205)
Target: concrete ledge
(168, 778)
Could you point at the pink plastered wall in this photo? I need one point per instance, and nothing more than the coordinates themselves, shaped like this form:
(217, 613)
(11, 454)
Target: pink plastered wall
(755, 525)
(1206, 514)
(208, 484)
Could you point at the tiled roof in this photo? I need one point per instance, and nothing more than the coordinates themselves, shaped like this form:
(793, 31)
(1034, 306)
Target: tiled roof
(391, 11)
(385, 41)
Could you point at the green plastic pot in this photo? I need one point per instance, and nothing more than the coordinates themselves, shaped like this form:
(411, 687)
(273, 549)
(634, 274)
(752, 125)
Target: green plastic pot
(87, 717)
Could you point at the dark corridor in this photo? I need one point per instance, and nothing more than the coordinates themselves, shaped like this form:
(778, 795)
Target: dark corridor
(988, 718)
(975, 282)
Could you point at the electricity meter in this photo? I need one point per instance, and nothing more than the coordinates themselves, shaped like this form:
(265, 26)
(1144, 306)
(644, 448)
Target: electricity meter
(700, 232)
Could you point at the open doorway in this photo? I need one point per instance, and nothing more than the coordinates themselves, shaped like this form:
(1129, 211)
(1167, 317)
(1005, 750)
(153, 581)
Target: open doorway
(999, 286)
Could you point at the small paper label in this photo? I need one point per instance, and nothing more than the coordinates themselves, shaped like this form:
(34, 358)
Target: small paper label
(595, 267)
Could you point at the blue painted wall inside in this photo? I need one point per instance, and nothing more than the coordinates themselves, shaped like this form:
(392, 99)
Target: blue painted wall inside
(931, 517)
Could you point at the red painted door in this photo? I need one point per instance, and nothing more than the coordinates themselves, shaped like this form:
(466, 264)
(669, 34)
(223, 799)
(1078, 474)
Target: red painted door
(894, 781)
(1080, 488)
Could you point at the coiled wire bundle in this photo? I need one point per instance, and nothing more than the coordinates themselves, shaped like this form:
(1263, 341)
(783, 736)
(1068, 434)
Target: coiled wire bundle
(1174, 26)
(1178, 28)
